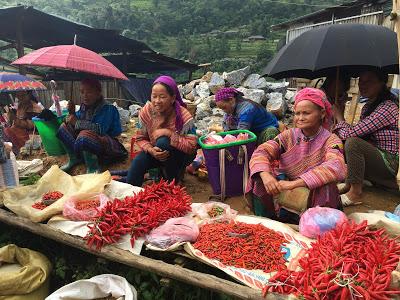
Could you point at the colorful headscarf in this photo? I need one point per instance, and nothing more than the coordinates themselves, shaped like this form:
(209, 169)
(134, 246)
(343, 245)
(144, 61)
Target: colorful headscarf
(226, 93)
(178, 99)
(319, 98)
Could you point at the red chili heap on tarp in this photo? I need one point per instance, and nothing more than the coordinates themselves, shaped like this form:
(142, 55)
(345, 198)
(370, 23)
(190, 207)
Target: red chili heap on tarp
(48, 199)
(138, 214)
(248, 246)
(349, 262)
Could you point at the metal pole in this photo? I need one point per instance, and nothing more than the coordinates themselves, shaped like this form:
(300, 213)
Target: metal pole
(395, 17)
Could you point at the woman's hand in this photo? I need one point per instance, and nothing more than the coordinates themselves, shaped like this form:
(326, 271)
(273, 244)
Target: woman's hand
(8, 148)
(338, 112)
(71, 119)
(159, 154)
(290, 185)
(162, 132)
(271, 185)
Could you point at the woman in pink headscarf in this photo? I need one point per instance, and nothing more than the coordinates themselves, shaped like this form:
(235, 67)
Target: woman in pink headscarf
(167, 134)
(307, 156)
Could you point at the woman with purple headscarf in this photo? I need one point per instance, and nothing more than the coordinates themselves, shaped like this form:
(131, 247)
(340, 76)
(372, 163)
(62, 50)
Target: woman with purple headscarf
(241, 113)
(167, 135)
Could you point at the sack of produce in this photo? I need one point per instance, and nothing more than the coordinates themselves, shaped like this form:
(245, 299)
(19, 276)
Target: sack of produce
(24, 274)
(318, 220)
(84, 207)
(212, 211)
(295, 200)
(175, 230)
(104, 286)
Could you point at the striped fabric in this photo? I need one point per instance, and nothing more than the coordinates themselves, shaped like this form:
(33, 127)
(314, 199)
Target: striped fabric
(104, 146)
(318, 161)
(150, 120)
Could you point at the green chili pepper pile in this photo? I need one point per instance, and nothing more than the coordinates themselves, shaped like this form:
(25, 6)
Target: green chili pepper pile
(349, 262)
(138, 214)
(248, 246)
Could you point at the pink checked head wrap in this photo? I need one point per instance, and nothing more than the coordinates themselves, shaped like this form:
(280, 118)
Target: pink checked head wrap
(319, 98)
(226, 93)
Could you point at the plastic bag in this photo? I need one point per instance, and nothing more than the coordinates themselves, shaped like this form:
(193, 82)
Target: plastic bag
(100, 286)
(397, 210)
(82, 207)
(175, 230)
(318, 220)
(212, 211)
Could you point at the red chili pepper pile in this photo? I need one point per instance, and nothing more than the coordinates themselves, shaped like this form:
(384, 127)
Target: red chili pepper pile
(47, 199)
(138, 214)
(39, 205)
(86, 204)
(55, 195)
(242, 245)
(349, 262)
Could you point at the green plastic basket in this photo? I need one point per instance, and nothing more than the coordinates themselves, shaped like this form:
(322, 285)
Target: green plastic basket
(252, 138)
(47, 131)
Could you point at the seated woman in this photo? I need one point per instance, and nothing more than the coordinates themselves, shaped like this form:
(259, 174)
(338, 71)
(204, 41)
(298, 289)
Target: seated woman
(21, 120)
(372, 145)
(241, 113)
(167, 134)
(308, 156)
(91, 132)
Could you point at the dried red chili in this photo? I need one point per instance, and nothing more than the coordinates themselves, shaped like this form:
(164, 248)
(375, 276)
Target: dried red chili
(39, 205)
(51, 197)
(249, 246)
(138, 214)
(86, 204)
(348, 262)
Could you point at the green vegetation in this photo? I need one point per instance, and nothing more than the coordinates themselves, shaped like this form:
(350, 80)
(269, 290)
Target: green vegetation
(70, 264)
(199, 30)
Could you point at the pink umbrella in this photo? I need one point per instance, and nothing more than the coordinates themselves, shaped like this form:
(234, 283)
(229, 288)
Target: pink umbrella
(71, 57)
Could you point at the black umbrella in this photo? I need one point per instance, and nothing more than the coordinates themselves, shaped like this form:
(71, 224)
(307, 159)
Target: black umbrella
(351, 47)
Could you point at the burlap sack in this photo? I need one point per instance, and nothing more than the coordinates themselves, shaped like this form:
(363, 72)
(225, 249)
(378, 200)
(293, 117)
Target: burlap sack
(24, 274)
(295, 200)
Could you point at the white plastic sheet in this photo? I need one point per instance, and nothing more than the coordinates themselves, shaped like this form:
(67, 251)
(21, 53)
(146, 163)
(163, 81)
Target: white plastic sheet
(100, 286)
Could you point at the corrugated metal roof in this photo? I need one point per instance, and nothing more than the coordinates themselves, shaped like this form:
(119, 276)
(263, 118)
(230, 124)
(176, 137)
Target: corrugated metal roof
(326, 13)
(40, 29)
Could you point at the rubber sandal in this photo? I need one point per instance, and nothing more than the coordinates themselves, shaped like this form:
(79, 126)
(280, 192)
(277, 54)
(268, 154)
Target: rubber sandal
(346, 202)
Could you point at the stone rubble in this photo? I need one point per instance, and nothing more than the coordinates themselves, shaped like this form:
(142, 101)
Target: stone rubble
(273, 95)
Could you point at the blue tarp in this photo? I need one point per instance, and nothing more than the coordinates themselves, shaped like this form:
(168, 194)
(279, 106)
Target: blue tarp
(138, 88)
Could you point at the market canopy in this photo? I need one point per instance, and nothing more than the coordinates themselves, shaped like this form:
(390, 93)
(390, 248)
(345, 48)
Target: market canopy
(37, 29)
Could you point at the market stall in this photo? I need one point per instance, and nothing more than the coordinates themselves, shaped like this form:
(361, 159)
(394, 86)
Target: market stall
(116, 220)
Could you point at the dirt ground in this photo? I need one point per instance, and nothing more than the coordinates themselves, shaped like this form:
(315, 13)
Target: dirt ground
(200, 189)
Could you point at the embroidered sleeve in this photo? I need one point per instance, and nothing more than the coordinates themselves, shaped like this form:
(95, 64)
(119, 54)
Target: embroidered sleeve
(187, 141)
(264, 156)
(142, 136)
(333, 169)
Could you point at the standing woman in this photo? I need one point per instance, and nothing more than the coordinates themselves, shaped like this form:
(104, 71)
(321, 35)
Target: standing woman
(372, 145)
(167, 135)
(21, 120)
(241, 113)
(91, 133)
(307, 156)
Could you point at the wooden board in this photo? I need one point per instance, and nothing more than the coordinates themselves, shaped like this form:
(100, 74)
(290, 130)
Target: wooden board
(159, 267)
